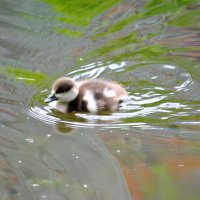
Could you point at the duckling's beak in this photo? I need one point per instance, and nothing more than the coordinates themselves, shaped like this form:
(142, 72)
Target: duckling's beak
(50, 98)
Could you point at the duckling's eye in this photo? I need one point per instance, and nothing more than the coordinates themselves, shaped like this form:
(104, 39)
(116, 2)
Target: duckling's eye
(61, 90)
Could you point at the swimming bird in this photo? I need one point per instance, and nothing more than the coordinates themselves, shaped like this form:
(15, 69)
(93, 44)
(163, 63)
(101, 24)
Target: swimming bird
(90, 95)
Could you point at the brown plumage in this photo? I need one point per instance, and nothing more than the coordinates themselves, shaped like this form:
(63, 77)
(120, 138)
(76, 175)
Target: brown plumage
(92, 95)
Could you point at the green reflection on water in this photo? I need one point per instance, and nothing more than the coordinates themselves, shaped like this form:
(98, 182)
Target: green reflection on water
(78, 13)
(187, 18)
(165, 186)
(173, 12)
(152, 30)
(28, 77)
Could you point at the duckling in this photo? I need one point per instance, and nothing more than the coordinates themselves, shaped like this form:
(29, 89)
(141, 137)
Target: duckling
(92, 95)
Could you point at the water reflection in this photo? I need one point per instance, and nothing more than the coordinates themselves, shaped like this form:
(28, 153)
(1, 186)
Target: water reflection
(149, 149)
(153, 90)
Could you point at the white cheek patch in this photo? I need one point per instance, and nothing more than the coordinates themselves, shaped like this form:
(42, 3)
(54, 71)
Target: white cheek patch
(109, 93)
(68, 96)
(91, 103)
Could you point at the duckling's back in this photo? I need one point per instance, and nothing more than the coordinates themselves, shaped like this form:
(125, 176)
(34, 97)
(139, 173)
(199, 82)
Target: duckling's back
(99, 95)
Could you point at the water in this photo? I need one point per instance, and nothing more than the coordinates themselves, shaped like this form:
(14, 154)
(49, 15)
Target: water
(149, 149)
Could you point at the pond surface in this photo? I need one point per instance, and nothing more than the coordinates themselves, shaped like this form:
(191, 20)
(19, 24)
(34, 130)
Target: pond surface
(149, 149)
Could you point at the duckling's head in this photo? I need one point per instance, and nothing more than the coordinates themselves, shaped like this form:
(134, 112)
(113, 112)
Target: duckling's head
(63, 90)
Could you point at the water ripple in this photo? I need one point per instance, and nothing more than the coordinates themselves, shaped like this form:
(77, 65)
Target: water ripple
(147, 107)
(156, 97)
